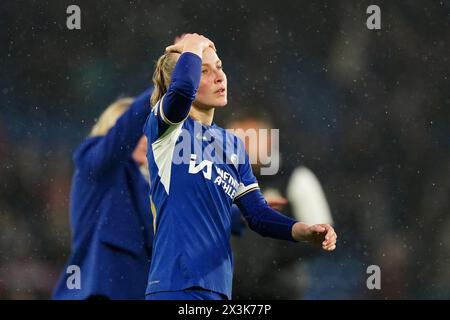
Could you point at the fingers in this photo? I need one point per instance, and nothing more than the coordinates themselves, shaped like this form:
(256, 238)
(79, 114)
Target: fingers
(212, 45)
(329, 243)
(330, 248)
(321, 234)
(330, 231)
(174, 48)
(190, 38)
(318, 228)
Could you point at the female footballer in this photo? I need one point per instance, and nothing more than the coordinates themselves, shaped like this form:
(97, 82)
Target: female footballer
(192, 199)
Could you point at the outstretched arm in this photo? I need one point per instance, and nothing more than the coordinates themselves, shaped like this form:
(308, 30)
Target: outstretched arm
(270, 223)
(237, 222)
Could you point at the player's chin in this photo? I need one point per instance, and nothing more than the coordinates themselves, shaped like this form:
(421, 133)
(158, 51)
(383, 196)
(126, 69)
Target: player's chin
(220, 103)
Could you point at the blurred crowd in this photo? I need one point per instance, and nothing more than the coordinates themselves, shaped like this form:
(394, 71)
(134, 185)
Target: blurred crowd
(367, 111)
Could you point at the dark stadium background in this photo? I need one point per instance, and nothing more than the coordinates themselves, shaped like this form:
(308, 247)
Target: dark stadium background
(367, 111)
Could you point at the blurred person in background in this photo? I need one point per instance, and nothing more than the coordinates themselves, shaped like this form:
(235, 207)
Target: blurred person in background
(110, 213)
(192, 254)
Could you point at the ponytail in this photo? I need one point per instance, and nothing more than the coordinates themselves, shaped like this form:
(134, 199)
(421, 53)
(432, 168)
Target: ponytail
(161, 76)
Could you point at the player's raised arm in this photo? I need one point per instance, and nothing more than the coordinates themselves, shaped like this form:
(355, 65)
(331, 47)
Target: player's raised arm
(177, 78)
(119, 142)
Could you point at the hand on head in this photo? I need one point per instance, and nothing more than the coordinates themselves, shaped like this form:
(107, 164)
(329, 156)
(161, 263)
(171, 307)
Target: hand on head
(192, 42)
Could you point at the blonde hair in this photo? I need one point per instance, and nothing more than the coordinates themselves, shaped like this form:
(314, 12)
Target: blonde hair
(109, 117)
(162, 75)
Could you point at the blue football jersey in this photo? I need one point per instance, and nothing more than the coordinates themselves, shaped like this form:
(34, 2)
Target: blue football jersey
(196, 173)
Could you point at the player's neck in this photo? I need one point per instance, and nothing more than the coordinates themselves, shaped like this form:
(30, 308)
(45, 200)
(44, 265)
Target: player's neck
(203, 115)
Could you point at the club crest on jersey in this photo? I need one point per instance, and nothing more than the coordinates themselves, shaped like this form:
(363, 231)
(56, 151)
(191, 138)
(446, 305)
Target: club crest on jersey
(196, 168)
(234, 159)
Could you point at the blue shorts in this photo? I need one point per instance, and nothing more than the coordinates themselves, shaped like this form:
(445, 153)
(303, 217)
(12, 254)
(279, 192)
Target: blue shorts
(186, 294)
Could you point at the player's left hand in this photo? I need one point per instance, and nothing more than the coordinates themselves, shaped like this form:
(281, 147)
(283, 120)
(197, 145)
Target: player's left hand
(320, 234)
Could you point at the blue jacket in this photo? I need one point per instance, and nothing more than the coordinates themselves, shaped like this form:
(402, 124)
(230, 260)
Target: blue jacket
(111, 220)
